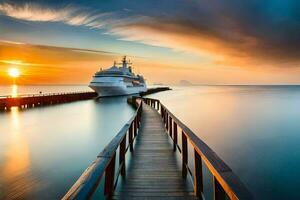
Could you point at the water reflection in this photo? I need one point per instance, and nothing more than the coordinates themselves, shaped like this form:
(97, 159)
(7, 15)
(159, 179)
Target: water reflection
(15, 125)
(14, 90)
(16, 164)
(47, 148)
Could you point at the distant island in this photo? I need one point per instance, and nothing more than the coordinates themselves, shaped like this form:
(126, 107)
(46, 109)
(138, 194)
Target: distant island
(185, 83)
(158, 84)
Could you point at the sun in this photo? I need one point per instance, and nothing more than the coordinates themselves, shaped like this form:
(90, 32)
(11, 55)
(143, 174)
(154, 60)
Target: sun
(14, 72)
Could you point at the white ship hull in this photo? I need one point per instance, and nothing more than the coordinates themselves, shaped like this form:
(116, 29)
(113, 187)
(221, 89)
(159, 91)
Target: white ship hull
(115, 86)
(107, 91)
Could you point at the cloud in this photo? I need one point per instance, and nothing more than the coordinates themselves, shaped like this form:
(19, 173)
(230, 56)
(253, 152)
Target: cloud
(11, 42)
(37, 13)
(21, 63)
(43, 55)
(230, 46)
(232, 32)
(51, 64)
(31, 12)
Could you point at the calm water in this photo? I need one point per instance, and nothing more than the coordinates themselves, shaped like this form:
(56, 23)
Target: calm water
(44, 150)
(254, 129)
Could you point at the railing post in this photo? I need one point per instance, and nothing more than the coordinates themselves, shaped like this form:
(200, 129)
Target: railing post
(170, 125)
(130, 137)
(164, 116)
(219, 193)
(137, 121)
(198, 180)
(110, 178)
(157, 105)
(140, 115)
(135, 127)
(175, 136)
(184, 154)
(122, 156)
(167, 121)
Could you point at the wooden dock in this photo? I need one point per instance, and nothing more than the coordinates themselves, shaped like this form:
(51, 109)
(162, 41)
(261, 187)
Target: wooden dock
(151, 137)
(37, 100)
(154, 172)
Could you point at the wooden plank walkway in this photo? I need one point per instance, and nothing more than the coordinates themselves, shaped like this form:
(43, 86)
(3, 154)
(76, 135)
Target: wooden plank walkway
(153, 171)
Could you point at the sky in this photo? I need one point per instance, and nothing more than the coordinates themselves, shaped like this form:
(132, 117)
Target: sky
(204, 42)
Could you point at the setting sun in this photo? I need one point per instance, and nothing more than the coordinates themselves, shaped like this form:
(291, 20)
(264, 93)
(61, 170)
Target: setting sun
(14, 72)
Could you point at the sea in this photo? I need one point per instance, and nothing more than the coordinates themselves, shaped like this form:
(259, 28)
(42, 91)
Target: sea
(254, 129)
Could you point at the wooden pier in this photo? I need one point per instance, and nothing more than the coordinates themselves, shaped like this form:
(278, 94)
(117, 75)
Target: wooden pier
(29, 101)
(36, 100)
(151, 136)
(154, 171)
(154, 90)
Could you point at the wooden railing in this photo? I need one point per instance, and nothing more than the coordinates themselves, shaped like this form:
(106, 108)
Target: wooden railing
(105, 163)
(225, 182)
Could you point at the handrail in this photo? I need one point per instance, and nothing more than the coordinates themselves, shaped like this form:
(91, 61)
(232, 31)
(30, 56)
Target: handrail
(225, 181)
(87, 183)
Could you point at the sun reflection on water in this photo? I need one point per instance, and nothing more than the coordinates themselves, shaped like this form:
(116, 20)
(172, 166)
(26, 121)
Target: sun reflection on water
(14, 171)
(15, 123)
(14, 90)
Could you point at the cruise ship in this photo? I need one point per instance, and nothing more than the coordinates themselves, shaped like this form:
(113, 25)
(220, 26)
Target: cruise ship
(117, 81)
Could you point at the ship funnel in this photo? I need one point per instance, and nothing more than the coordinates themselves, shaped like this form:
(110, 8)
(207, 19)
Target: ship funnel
(124, 62)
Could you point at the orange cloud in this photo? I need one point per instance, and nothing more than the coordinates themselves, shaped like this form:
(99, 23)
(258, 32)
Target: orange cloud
(47, 64)
(230, 46)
